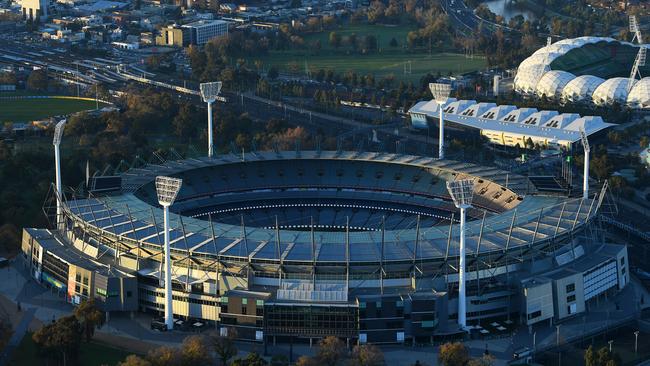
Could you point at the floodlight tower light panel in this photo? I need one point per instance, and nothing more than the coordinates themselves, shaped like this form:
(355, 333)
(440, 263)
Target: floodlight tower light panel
(58, 132)
(584, 140)
(461, 192)
(634, 26)
(440, 91)
(210, 91)
(167, 188)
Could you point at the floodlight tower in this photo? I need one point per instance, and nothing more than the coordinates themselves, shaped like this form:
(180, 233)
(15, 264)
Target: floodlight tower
(167, 188)
(638, 62)
(585, 179)
(635, 30)
(58, 134)
(440, 94)
(462, 192)
(209, 93)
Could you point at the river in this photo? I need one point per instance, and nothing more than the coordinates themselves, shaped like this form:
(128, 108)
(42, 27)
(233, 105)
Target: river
(506, 9)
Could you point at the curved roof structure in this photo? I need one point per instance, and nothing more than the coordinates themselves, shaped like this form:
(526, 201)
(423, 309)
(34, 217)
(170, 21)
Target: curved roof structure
(552, 83)
(132, 218)
(527, 78)
(639, 96)
(548, 73)
(581, 88)
(612, 91)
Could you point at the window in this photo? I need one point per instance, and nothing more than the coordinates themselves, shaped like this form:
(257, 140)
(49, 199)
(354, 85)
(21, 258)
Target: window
(535, 314)
(570, 287)
(622, 261)
(244, 301)
(244, 311)
(571, 298)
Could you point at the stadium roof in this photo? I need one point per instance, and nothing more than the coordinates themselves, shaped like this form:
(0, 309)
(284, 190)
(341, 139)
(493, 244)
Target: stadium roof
(535, 220)
(525, 121)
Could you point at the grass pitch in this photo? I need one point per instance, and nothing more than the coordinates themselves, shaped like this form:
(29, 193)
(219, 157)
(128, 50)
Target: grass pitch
(386, 60)
(27, 110)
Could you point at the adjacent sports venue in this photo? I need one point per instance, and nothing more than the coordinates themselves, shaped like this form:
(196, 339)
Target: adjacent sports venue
(591, 70)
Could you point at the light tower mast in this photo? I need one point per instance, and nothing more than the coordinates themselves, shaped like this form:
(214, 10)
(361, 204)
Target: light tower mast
(441, 94)
(167, 188)
(462, 192)
(58, 134)
(209, 93)
(585, 179)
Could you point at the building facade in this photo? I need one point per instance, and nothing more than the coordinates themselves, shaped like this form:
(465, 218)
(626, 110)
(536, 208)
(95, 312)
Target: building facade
(200, 32)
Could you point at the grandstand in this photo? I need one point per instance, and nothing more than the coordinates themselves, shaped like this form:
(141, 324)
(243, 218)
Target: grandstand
(258, 238)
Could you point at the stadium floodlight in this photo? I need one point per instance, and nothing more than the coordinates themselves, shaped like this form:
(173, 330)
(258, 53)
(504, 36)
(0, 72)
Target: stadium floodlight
(462, 192)
(639, 61)
(209, 93)
(587, 149)
(635, 30)
(167, 188)
(440, 93)
(58, 135)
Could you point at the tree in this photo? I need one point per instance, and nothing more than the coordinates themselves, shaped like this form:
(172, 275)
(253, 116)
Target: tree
(89, 316)
(224, 346)
(485, 360)
(59, 340)
(194, 352)
(367, 355)
(307, 361)
(331, 350)
(164, 356)
(186, 121)
(273, 73)
(453, 354)
(5, 326)
(252, 359)
(37, 80)
(644, 142)
(134, 360)
(601, 358)
(335, 40)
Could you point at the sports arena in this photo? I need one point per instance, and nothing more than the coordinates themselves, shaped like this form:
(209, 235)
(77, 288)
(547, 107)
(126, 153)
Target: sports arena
(360, 245)
(592, 70)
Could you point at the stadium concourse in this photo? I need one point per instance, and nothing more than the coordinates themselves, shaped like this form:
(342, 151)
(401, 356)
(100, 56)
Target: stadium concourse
(359, 245)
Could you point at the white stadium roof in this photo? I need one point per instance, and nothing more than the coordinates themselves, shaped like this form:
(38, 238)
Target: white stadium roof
(639, 96)
(581, 88)
(553, 82)
(509, 119)
(535, 77)
(612, 91)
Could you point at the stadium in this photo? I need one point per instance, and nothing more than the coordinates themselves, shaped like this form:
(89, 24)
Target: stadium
(305, 244)
(592, 70)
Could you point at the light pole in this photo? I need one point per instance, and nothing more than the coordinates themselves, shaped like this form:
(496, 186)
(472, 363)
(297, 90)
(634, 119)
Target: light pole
(557, 336)
(167, 188)
(534, 344)
(440, 94)
(636, 341)
(462, 192)
(610, 345)
(209, 93)
(58, 134)
(587, 149)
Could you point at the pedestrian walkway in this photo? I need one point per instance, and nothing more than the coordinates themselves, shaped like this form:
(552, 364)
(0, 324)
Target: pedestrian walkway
(19, 333)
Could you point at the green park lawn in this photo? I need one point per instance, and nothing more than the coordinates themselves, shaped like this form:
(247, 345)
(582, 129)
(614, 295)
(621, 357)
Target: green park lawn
(26, 110)
(90, 354)
(385, 61)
